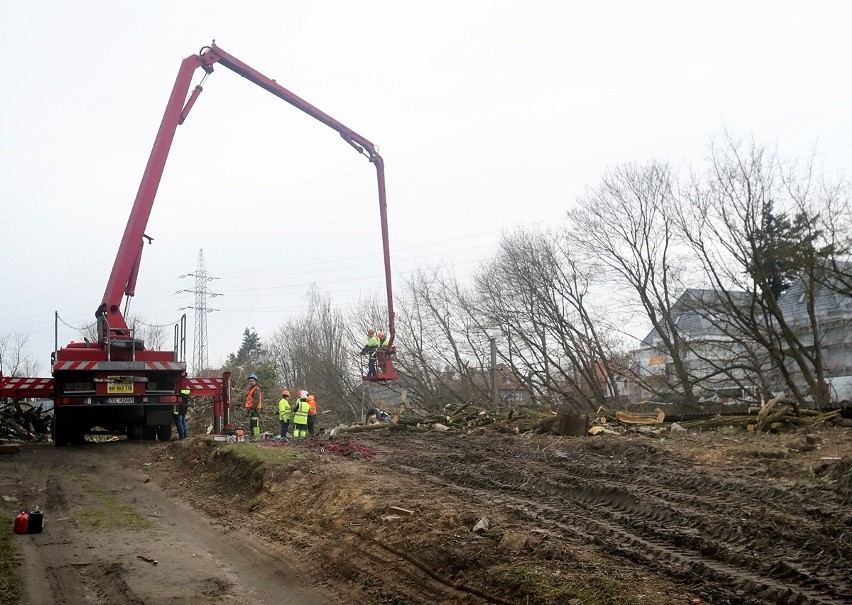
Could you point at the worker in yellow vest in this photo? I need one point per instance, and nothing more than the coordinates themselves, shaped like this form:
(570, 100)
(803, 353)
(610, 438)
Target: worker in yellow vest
(180, 413)
(300, 418)
(370, 349)
(285, 413)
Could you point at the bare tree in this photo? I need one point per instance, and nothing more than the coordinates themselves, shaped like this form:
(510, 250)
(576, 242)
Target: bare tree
(442, 350)
(154, 336)
(537, 294)
(626, 223)
(14, 360)
(754, 225)
(313, 351)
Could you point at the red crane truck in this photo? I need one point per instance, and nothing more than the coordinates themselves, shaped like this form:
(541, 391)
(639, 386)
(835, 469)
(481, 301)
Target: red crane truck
(118, 386)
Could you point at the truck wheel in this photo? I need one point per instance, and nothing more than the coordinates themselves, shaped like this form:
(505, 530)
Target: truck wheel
(164, 432)
(58, 433)
(63, 434)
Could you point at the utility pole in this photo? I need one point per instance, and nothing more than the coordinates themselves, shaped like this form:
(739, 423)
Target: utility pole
(200, 361)
(495, 395)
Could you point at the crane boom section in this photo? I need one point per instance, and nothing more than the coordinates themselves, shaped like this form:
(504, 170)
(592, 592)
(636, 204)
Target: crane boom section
(122, 280)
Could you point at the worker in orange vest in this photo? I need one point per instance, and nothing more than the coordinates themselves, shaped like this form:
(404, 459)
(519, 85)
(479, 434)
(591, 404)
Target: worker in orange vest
(254, 403)
(312, 414)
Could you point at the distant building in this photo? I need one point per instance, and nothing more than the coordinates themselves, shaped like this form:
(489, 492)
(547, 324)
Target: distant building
(710, 344)
(715, 354)
(510, 391)
(832, 310)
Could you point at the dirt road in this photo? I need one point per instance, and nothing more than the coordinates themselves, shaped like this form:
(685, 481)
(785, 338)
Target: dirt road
(396, 517)
(112, 535)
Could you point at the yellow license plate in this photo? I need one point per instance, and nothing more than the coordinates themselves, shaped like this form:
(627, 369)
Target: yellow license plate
(120, 387)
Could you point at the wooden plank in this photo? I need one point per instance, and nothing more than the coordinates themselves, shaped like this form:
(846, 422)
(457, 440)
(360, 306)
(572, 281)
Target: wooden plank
(10, 448)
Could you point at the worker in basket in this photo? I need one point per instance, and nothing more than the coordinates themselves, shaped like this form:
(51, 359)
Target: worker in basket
(382, 351)
(371, 349)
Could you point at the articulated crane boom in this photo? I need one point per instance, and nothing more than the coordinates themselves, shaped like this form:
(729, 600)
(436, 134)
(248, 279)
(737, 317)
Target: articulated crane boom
(122, 281)
(116, 385)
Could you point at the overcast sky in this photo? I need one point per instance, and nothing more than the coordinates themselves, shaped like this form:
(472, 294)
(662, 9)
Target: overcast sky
(490, 115)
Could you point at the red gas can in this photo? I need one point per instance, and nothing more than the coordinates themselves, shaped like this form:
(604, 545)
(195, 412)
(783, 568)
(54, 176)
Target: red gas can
(22, 522)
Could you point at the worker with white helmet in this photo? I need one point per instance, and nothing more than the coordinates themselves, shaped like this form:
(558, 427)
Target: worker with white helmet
(300, 417)
(254, 403)
(312, 414)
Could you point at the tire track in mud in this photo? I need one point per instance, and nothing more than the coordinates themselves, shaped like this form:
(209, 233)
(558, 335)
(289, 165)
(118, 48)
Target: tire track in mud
(789, 514)
(733, 542)
(414, 583)
(63, 578)
(105, 579)
(81, 582)
(671, 516)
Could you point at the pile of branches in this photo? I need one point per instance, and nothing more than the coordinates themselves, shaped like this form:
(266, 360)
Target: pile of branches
(24, 422)
(467, 416)
(779, 414)
(776, 415)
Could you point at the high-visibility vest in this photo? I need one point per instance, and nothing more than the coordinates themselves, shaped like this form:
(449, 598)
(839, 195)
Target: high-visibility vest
(284, 411)
(250, 397)
(372, 345)
(302, 409)
(183, 406)
(313, 404)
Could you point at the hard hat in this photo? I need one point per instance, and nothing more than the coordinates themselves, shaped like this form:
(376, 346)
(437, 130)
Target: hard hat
(252, 376)
(185, 391)
(381, 334)
(371, 331)
(285, 392)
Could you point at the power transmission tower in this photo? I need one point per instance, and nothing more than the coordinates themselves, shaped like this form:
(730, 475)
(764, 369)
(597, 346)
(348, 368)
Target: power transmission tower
(200, 361)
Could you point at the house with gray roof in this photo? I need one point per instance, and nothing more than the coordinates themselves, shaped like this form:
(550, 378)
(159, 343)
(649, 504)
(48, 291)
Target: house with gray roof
(832, 311)
(713, 348)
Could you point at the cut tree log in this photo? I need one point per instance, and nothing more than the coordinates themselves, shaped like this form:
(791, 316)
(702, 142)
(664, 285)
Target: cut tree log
(656, 417)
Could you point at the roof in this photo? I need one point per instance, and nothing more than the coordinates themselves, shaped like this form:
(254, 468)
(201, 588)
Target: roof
(831, 299)
(699, 313)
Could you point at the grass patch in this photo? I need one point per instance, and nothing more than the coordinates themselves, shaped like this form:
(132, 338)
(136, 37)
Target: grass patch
(108, 512)
(548, 588)
(253, 453)
(10, 582)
